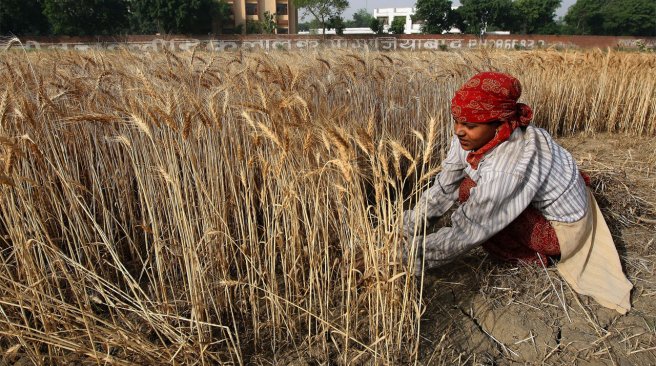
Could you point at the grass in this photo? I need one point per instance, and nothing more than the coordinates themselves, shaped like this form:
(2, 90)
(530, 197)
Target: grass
(196, 208)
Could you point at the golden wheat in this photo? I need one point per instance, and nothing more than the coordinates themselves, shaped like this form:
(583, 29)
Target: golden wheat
(160, 208)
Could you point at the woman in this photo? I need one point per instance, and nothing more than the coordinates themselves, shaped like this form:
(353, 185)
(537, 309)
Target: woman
(521, 196)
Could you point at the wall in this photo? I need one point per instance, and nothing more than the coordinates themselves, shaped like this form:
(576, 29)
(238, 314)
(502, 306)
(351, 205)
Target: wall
(410, 42)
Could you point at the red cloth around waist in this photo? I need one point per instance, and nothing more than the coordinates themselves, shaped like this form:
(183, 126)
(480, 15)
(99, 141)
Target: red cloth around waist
(529, 238)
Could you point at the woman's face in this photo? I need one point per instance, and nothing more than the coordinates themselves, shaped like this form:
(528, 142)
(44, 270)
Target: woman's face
(473, 136)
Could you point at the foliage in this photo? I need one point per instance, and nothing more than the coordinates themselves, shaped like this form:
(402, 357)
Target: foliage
(361, 19)
(308, 26)
(253, 26)
(535, 16)
(221, 13)
(478, 16)
(86, 17)
(323, 10)
(176, 16)
(268, 24)
(630, 17)
(265, 26)
(337, 23)
(105, 17)
(603, 17)
(377, 26)
(586, 17)
(397, 26)
(21, 17)
(612, 17)
(436, 15)
(102, 17)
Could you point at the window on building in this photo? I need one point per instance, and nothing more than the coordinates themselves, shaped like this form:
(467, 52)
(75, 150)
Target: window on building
(281, 8)
(282, 30)
(251, 8)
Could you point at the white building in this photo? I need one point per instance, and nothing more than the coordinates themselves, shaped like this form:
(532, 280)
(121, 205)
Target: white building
(346, 31)
(387, 15)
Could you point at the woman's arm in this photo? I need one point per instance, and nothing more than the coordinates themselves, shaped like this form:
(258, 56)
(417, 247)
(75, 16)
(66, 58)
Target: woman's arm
(436, 200)
(497, 200)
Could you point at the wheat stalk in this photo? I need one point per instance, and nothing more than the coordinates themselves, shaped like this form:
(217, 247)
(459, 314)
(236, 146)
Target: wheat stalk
(160, 211)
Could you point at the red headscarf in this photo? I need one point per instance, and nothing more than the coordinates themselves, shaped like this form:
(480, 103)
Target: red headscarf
(491, 97)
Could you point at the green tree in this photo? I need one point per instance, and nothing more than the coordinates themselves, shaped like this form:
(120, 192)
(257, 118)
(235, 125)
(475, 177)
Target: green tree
(175, 16)
(361, 18)
(586, 17)
(337, 23)
(436, 15)
(86, 17)
(323, 10)
(253, 27)
(268, 23)
(612, 17)
(221, 13)
(536, 16)
(478, 16)
(307, 26)
(630, 18)
(397, 26)
(377, 26)
(21, 17)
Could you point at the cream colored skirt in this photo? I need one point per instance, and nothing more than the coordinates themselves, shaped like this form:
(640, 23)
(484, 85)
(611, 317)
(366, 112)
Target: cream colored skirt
(589, 261)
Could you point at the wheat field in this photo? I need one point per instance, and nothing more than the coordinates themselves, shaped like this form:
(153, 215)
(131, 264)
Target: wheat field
(236, 208)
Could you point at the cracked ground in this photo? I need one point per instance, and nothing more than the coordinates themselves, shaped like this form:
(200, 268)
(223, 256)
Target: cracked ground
(483, 312)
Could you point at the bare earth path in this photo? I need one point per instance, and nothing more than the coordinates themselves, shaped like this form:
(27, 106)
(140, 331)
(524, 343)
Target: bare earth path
(480, 312)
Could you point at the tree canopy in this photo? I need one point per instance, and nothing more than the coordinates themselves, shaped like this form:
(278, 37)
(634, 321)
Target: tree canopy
(86, 17)
(361, 18)
(518, 16)
(323, 10)
(436, 15)
(397, 26)
(174, 16)
(106, 17)
(22, 17)
(630, 17)
(585, 17)
(535, 16)
(612, 17)
(377, 26)
(478, 16)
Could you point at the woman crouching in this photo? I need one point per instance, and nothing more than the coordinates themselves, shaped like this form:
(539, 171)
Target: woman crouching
(521, 196)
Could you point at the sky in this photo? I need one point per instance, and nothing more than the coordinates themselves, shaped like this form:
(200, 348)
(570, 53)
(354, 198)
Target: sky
(372, 4)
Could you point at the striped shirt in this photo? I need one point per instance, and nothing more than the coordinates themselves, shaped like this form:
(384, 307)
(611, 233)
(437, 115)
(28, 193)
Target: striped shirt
(530, 168)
